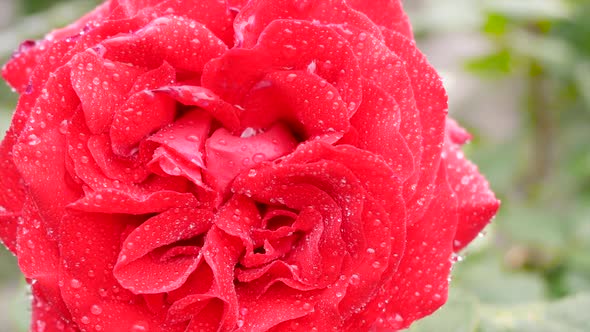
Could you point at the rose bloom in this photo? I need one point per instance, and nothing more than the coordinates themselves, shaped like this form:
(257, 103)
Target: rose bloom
(226, 165)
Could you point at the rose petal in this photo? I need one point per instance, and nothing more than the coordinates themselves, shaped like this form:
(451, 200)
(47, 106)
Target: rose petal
(214, 14)
(377, 124)
(125, 202)
(39, 154)
(113, 166)
(142, 114)
(384, 69)
(187, 136)
(102, 86)
(256, 15)
(221, 252)
(386, 13)
(421, 284)
(89, 288)
(304, 100)
(241, 153)
(305, 46)
(206, 100)
(12, 196)
(144, 273)
(287, 44)
(477, 203)
(185, 44)
(263, 311)
(168, 163)
(431, 100)
(47, 317)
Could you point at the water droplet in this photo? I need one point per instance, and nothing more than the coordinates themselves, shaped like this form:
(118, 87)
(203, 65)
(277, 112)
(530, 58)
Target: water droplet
(140, 327)
(258, 158)
(75, 283)
(34, 140)
(376, 264)
(85, 320)
(248, 132)
(291, 77)
(96, 310)
(193, 138)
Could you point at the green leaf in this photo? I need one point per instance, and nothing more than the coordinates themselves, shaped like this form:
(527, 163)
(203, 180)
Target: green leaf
(494, 64)
(459, 314)
(496, 24)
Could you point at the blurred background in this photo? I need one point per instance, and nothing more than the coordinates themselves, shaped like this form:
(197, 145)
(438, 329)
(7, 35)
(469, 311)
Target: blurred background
(518, 77)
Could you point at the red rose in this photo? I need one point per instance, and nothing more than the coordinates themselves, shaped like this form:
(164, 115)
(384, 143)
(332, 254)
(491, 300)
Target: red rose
(206, 165)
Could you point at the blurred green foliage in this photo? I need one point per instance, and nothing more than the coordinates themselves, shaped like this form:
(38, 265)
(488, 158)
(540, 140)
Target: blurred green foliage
(531, 272)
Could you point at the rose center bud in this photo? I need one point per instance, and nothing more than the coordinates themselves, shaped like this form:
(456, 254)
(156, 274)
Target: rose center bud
(228, 155)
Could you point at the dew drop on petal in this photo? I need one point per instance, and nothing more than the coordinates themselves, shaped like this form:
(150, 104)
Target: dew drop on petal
(75, 283)
(96, 310)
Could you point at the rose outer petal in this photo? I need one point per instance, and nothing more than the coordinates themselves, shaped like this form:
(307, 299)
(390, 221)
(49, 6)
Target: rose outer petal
(477, 203)
(258, 14)
(388, 14)
(377, 124)
(420, 286)
(431, 100)
(89, 288)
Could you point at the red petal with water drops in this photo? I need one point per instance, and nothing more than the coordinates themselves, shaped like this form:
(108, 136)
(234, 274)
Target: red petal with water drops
(278, 304)
(382, 68)
(420, 285)
(46, 316)
(129, 202)
(40, 152)
(89, 288)
(102, 86)
(146, 264)
(17, 72)
(258, 14)
(377, 124)
(385, 13)
(431, 100)
(142, 114)
(183, 43)
(244, 152)
(203, 98)
(302, 99)
(477, 202)
(213, 14)
(221, 252)
(113, 166)
(302, 45)
(12, 196)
